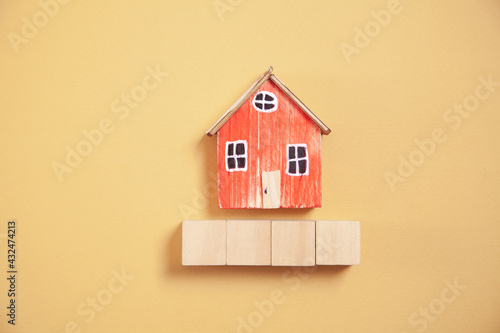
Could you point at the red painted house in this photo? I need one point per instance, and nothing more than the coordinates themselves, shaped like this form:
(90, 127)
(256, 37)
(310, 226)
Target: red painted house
(269, 149)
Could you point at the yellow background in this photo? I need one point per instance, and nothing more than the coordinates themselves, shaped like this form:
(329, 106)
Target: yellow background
(122, 207)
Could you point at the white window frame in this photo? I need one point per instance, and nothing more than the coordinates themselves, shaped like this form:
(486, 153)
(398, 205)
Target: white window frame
(245, 155)
(263, 101)
(296, 159)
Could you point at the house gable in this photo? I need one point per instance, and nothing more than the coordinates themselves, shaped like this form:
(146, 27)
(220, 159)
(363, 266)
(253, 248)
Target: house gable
(251, 92)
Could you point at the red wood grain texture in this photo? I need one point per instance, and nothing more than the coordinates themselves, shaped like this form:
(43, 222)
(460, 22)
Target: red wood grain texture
(268, 135)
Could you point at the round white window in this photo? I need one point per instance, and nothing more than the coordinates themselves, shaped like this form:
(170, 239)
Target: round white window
(265, 101)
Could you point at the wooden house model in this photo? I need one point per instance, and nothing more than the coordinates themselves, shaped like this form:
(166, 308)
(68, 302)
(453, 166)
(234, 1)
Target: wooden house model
(269, 149)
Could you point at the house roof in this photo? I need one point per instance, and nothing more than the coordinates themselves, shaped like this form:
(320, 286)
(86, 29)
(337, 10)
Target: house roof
(253, 88)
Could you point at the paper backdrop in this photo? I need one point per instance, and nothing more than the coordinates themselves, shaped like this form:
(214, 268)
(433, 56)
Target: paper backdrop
(104, 108)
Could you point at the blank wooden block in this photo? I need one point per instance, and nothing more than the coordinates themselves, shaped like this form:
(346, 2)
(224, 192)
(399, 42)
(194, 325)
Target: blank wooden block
(293, 243)
(249, 242)
(203, 242)
(337, 243)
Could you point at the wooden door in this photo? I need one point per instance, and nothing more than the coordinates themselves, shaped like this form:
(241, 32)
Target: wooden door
(271, 189)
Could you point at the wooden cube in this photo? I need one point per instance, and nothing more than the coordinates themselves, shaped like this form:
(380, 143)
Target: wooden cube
(338, 243)
(249, 242)
(203, 242)
(293, 243)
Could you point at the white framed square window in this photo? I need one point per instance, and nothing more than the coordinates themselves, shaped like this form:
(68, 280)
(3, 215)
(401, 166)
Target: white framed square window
(236, 155)
(297, 160)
